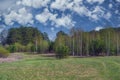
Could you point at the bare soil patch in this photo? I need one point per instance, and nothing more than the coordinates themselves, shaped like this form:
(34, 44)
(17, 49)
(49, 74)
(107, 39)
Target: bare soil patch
(11, 58)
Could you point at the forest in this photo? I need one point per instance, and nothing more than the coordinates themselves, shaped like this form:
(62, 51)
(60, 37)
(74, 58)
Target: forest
(77, 42)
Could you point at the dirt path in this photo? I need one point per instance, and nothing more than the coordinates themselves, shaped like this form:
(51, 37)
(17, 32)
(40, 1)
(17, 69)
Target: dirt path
(11, 58)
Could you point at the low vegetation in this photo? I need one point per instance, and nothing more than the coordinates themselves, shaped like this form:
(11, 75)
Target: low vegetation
(36, 67)
(62, 51)
(3, 52)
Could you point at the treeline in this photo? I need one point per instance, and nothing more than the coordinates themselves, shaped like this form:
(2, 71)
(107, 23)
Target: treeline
(26, 39)
(105, 42)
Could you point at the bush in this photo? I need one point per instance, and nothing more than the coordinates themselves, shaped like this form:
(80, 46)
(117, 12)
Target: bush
(12, 48)
(62, 51)
(113, 51)
(3, 52)
(33, 48)
(16, 47)
(19, 47)
(43, 47)
(29, 47)
(96, 47)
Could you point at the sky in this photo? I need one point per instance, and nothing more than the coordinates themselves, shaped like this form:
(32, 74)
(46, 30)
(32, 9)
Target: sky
(51, 16)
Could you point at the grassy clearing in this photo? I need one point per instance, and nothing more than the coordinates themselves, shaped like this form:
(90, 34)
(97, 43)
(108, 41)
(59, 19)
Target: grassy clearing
(48, 68)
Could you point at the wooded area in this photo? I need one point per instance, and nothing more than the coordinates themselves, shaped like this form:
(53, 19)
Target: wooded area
(77, 42)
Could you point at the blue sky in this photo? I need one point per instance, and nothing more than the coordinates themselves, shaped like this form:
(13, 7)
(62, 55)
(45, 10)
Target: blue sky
(52, 16)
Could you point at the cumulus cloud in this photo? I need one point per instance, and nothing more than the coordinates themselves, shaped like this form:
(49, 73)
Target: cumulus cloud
(95, 1)
(52, 29)
(2, 27)
(98, 28)
(78, 7)
(5, 4)
(110, 5)
(97, 13)
(45, 16)
(116, 12)
(23, 11)
(34, 3)
(107, 15)
(118, 0)
(22, 17)
(63, 4)
(65, 21)
(81, 10)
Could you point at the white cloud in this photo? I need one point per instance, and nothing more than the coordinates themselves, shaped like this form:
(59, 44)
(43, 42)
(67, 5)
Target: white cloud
(22, 17)
(95, 1)
(78, 7)
(52, 29)
(110, 5)
(94, 17)
(116, 12)
(107, 15)
(10, 17)
(2, 27)
(59, 4)
(0, 18)
(41, 18)
(118, 0)
(45, 16)
(98, 28)
(5, 4)
(34, 3)
(98, 9)
(65, 21)
(26, 2)
(52, 37)
(96, 13)
(62, 4)
(14, 11)
(18, 3)
(8, 5)
(66, 4)
(81, 10)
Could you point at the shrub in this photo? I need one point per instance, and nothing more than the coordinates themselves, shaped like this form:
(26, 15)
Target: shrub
(96, 47)
(113, 51)
(62, 51)
(3, 52)
(29, 47)
(43, 47)
(19, 47)
(16, 47)
(12, 48)
(33, 48)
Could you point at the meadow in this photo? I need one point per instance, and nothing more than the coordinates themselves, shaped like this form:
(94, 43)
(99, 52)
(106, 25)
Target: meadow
(39, 67)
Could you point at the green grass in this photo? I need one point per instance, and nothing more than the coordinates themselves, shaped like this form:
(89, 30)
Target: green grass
(46, 68)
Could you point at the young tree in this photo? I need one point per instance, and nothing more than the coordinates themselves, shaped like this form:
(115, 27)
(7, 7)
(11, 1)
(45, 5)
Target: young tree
(73, 40)
(61, 48)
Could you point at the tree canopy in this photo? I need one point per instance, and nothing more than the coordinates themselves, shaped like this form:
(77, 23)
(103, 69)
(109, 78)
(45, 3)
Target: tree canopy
(105, 42)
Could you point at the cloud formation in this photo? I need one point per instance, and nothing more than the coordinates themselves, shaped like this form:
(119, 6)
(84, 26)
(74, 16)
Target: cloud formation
(23, 11)
(45, 16)
(95, 1)
(34, 3)
(98, 28)
(21, 17)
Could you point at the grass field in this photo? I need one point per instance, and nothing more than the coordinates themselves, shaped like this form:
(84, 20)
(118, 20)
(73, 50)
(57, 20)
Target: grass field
(48, 68)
